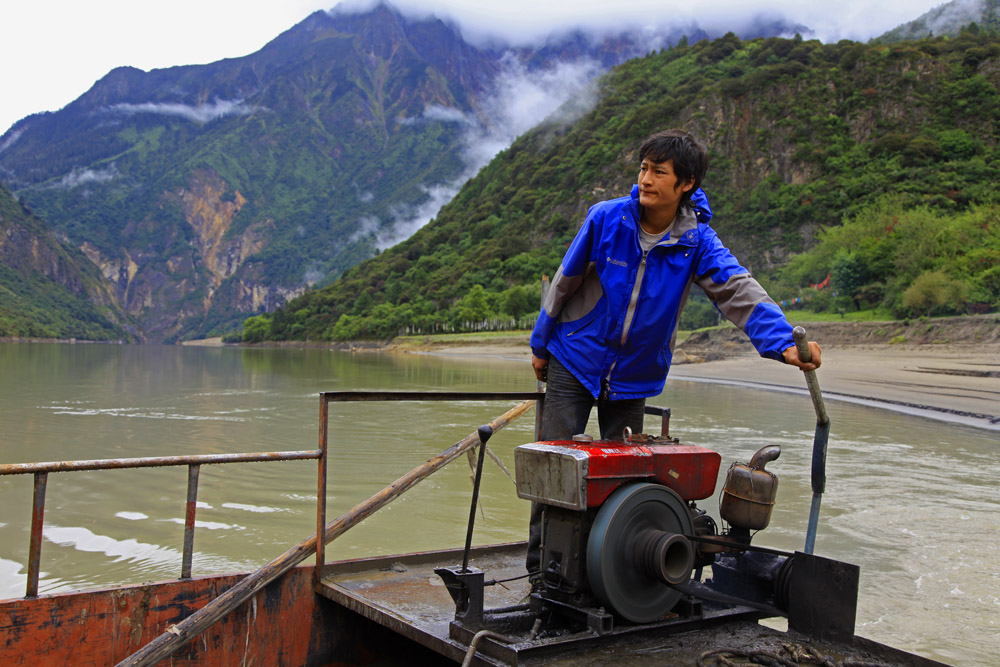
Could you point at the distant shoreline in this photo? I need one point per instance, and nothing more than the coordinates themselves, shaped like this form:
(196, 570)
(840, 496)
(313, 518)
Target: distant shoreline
(72, 341)
(946, 369)
(953, 383)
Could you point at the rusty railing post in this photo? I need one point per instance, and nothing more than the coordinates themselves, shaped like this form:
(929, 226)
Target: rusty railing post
(324, 413)
(35, 547)
(194, 462)
(190, 509)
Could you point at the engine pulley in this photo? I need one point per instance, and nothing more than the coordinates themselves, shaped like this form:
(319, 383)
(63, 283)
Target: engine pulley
(637, 548)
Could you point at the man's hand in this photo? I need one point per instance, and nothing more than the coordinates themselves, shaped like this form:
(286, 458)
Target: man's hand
(541, 367)
(791, 356)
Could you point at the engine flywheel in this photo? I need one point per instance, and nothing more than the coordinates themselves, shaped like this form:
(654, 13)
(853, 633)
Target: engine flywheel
(637, 548)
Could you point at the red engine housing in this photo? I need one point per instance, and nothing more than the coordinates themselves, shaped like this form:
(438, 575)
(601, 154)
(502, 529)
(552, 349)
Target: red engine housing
(581, 475)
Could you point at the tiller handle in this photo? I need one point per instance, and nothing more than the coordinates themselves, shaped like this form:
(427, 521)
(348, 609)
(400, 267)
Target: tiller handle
(819, 439)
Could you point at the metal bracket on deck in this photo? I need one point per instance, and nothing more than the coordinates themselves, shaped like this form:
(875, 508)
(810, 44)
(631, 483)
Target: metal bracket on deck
(465, 585)
(598, 621)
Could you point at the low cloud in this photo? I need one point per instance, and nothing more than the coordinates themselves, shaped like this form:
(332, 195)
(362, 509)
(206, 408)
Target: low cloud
(407, 220)
(9, 141)
(312, 276)
(367, 225)
(954, 13)
(525, 22)
(446, 115)
(201, 113)
(520, 100)
(79, 177)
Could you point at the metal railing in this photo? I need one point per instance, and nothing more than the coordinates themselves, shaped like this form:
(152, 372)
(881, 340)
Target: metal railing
(328, 397)
(193, 462)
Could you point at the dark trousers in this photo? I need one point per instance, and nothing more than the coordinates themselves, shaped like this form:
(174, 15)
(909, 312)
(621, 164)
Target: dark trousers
(567, 410)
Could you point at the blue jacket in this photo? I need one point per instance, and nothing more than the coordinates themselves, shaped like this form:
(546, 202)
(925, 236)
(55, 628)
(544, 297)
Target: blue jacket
(611, 313)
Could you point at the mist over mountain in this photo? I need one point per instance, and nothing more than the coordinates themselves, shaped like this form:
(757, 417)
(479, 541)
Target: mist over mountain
(206, 193)
(947, 20)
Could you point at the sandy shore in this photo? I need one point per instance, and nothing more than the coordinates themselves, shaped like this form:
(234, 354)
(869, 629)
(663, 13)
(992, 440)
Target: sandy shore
(959, 386)
(953, 383)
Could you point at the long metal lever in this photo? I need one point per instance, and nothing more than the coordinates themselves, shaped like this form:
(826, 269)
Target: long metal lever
(819, 439)
(485, 432)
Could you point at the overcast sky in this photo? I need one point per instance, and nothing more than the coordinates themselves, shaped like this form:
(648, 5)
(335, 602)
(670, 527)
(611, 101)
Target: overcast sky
(52, 51)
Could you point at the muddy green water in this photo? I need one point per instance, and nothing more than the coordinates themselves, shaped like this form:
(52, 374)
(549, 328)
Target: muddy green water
(914, 502)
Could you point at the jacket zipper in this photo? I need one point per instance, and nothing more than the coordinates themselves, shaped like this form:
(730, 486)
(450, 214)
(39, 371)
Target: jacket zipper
(629, 316)
(634, 298)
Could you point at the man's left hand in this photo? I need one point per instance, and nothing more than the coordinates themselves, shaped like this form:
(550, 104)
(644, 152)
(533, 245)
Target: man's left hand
(791, 356)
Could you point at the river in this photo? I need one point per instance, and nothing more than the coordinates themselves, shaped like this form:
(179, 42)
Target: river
(912, 501)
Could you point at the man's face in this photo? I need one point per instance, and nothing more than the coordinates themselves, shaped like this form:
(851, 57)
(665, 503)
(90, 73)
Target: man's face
(658, 185)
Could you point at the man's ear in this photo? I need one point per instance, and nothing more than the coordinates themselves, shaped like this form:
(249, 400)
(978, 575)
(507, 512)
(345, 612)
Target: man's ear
(687, 187)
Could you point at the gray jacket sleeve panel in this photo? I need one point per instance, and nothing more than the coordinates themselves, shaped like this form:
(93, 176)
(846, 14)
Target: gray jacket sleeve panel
(565, 298)
(737, 297)
(589, 291)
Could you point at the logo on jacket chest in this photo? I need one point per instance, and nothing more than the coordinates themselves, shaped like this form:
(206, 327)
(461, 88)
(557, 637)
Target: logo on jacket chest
(616, 262)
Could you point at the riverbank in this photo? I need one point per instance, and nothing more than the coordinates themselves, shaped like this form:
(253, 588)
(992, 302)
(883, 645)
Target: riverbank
(946, 369)
(942, 368)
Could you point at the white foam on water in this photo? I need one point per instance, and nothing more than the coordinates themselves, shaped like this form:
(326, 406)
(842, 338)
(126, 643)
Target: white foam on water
(252, 508)
(300, 496)
(207, 525)
(13, 579)
(139, 413)
(83, 539)
(144, 560)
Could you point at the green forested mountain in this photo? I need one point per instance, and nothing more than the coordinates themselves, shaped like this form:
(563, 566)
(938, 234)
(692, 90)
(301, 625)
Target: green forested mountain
(948, 20)
(217, 190)
(49, 289)
(803, 136)
(211, 192)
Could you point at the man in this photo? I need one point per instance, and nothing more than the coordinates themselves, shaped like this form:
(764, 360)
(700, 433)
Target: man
(606, 330)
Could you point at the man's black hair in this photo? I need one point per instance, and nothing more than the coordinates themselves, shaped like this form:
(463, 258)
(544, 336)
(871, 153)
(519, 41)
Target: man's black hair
(688, 155)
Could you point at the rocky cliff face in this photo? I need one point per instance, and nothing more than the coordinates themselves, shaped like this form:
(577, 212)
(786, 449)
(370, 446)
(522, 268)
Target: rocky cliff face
(172, 283)
(38, 272)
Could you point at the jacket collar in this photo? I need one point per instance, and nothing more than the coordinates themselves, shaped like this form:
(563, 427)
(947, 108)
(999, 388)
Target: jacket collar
(685, 229)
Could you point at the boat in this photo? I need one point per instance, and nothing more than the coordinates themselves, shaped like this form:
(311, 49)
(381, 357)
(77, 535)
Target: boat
(609, 507)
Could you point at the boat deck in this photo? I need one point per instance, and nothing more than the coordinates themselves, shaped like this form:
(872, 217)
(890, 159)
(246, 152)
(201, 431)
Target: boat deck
(404, 594)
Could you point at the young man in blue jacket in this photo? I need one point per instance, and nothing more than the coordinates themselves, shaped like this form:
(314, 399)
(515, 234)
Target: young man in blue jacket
(606, 331)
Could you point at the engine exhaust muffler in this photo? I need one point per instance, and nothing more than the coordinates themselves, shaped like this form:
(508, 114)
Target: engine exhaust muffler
(749, 492)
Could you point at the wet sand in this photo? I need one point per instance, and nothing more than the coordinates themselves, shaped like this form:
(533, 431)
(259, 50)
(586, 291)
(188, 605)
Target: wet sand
(952, 383)
(958, 386)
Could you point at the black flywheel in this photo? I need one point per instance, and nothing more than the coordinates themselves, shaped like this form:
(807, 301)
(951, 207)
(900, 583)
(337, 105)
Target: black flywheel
(637, 548)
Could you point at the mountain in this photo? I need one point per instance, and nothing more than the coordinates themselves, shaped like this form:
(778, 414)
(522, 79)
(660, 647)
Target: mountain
(206, 193)
(49, 289)
(947, 20)
(803, 136)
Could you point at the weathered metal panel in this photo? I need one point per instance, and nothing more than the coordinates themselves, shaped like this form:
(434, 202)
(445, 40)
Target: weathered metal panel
(286, 624)
(578, 475)
(552, 474)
